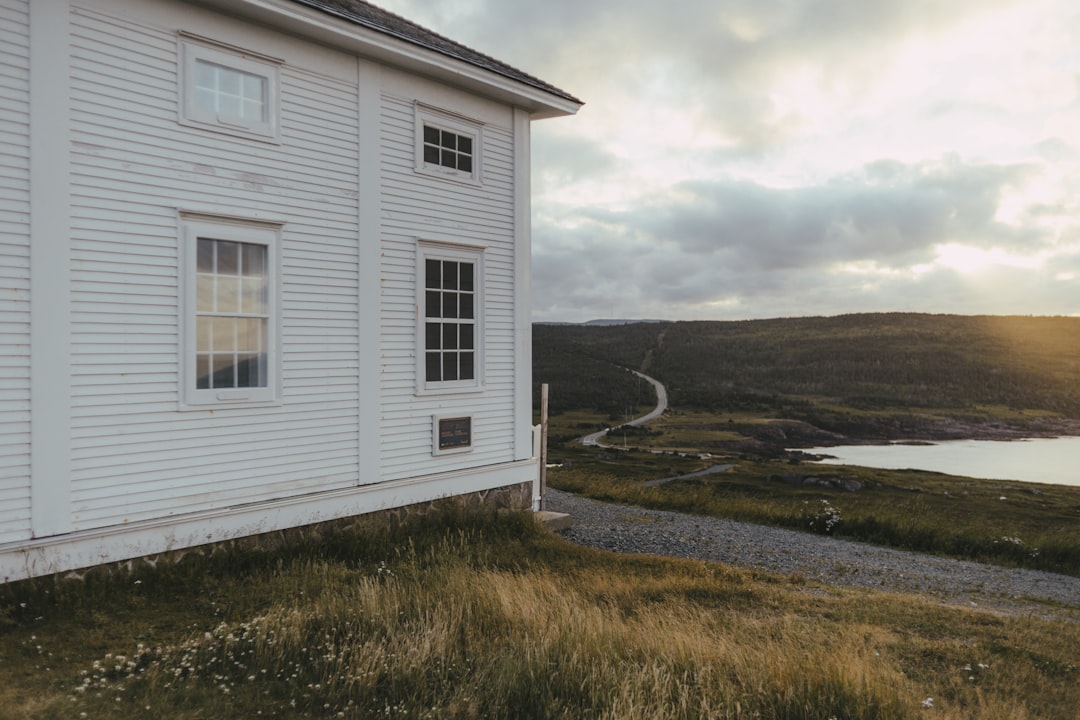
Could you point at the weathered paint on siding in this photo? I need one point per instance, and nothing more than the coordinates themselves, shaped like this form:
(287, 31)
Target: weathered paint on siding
(14, 270)
(419, 206)
(136, 456)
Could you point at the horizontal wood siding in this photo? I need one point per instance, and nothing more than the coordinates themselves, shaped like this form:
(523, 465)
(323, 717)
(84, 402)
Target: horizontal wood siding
(418, 206)
(135, 454)
(14, 270)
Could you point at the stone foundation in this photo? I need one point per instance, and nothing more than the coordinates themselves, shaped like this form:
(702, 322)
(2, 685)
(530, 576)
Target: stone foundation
(509, 498)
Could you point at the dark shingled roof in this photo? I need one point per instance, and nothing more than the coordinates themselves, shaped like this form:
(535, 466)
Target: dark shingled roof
(375, 18)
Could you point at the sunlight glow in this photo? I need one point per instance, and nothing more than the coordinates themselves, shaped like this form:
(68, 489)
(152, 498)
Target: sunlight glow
(870, 267)
(968, 260)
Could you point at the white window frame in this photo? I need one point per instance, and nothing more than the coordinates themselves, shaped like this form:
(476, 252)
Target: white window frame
(195, 50)
(457, 124)
(192, 228)
(455, 252)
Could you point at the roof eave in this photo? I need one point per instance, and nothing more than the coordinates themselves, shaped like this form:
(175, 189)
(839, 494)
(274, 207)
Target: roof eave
(294, 18)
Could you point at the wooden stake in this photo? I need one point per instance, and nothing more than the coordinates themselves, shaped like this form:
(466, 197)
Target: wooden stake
(543, 443)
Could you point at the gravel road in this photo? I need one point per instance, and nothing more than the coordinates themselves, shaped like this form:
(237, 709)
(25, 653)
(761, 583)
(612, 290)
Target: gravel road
(817, 557)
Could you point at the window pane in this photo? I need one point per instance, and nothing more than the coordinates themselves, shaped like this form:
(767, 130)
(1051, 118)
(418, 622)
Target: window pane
(228, 294)
(465, 163)
(466, 335)
(228, 80)
(202, 372)
(431, 154)
(202, 334)
(206, 100)
(466, 306)
(467, 366)
(449, 140)
(431, 135)
(433, 336)
(433, 277)
(229, 106)
(228, 257)
(255, 89)
(223, 370)
(464, 144)
(450, 336)
(253, 299)
(204, 293)
(450, 275)
(467, 276)
(449, 305)
(250, 333)
(252, 110)
(204, 75)
(448, 159)
(248, 371)
(450, 366)
(433, 306)
(224, 333)
(204, 256)
(434, 367)
(253, 259)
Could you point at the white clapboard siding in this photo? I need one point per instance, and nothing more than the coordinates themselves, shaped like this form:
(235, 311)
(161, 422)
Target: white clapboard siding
(416, 205)
(136, 455)
(14, 270)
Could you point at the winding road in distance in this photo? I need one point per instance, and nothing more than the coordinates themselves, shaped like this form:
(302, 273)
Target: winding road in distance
(661, 406)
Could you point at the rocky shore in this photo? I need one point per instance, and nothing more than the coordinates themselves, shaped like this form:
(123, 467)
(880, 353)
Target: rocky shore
(818, 558)
(782, 438)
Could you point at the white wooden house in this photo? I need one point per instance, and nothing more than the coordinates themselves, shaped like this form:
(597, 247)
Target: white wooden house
(263, 263)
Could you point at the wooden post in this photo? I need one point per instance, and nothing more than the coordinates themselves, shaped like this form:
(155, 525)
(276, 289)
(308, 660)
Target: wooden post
(543, 443)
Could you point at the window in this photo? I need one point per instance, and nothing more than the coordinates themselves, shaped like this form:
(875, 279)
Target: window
(230, 312)
(450, 335)
(229, 91)
(447, 145)
(448, 149)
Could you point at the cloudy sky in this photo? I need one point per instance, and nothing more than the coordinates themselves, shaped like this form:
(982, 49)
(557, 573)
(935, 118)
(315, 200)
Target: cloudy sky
(764, 158)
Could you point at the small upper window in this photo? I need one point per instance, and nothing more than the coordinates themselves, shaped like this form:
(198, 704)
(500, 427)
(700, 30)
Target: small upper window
(447, 145)
(231, 95)
(229, 91)
(448, 149)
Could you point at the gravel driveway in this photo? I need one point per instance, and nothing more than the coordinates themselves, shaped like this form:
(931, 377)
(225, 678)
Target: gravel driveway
(817, 557)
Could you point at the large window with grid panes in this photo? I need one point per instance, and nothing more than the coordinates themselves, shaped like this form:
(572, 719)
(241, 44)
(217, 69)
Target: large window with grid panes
(451, 281)
(230, 312)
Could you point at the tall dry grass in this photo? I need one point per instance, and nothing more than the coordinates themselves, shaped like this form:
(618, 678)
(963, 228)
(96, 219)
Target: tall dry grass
(493, 618)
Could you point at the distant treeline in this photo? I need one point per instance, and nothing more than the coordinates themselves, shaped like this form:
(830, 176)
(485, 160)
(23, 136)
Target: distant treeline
(867, 361)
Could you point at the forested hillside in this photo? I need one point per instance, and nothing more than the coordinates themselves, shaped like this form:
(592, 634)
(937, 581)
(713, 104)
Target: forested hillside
(583, 365)
(800, 367)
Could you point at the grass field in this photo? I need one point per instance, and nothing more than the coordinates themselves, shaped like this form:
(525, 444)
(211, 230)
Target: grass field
(1036, 526)
(476, 615)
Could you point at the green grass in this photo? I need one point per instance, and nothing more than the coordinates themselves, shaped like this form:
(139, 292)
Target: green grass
(1036, 526)
(477, 615)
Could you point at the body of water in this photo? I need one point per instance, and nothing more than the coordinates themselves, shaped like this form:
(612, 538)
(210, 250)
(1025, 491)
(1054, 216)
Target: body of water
(1039, 460)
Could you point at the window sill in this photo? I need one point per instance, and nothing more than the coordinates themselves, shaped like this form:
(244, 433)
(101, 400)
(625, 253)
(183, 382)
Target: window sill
(459, 390)
(228, 405)
(437, 171)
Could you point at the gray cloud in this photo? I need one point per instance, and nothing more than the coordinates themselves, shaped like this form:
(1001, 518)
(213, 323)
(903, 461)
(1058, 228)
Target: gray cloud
(722, 57)
(707, 243)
